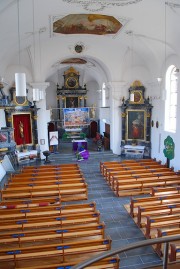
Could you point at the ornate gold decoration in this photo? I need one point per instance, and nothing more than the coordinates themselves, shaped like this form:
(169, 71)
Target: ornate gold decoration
(71, 70)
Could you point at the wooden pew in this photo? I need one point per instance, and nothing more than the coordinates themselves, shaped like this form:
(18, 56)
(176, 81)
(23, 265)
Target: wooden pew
(174, 252)
(75, 193)
(44, 176)
(162, 233)
(152, 200)
(29, 203)
(165, 191)
(47, 167)
(51, 221)
(35, 180)
(47, 172)
(48, 210)
(109, 163)
(126, 163)
(65, 252)
(144, 211)
(34, 186)
(134, 168)
(53, 235)
(41, 183)
(141, 178)
(153, 223)
(138, 173)
(143, 186)
(107, 263)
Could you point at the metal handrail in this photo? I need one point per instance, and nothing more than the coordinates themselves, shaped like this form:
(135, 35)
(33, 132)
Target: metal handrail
(144, 243)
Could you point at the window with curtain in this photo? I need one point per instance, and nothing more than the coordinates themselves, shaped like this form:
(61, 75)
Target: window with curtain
(171, 100)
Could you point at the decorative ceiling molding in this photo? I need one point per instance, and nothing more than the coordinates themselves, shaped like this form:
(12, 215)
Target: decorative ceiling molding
(73, 48)
(99, 5)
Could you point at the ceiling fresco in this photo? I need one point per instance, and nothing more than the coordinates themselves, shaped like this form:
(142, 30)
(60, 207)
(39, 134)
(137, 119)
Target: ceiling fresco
(96, 24)
(74, 61)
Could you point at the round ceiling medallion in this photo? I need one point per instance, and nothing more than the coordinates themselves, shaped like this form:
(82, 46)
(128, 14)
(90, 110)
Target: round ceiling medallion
(78, 48)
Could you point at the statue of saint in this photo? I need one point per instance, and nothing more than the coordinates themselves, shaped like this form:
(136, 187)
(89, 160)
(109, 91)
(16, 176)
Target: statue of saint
(93, 111)
(21, 129)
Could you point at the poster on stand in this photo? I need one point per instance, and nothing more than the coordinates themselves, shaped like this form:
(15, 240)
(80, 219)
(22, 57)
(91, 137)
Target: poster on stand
(53, 138)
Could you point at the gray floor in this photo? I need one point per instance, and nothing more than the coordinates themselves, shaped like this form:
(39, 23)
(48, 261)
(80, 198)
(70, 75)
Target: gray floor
(119, 225)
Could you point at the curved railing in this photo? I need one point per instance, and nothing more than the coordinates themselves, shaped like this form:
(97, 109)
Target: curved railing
(165, 240)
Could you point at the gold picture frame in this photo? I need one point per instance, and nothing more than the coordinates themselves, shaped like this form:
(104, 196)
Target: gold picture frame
(72, 102)
(136, 124)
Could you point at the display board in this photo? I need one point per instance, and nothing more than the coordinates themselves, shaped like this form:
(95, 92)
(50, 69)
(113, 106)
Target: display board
(76, 116)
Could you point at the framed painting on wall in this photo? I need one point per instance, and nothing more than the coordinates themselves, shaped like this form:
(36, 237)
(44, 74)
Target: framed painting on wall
(135, 124)
(22, 128)
(72, 102)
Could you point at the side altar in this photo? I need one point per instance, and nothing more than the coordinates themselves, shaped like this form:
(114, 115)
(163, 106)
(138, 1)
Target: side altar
(136, 123)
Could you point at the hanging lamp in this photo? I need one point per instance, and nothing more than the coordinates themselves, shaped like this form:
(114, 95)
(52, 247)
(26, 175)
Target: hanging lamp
(20, 78)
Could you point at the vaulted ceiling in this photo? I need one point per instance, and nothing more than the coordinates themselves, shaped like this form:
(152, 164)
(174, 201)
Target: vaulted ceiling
(150, 29)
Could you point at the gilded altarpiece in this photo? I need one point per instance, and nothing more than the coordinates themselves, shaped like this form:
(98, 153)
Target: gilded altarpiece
(136, 119)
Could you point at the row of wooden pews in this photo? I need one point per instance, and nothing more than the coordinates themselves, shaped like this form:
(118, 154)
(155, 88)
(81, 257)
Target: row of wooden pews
(134, 177)
(158, 214)
(39, 231)
(64, 183)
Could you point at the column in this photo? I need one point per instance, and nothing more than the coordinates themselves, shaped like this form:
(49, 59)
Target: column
(116, 90)
(43, 117)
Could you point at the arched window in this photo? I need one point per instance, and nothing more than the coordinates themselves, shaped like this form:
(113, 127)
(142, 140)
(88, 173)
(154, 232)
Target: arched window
(103, 95)
(171, 99)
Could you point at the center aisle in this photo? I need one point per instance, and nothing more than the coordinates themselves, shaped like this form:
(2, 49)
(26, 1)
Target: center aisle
(119, 224)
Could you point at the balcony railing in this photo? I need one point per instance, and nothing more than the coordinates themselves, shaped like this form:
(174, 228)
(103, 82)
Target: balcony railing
(166, 240)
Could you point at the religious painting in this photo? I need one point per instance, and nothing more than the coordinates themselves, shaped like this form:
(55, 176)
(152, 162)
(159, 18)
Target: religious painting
(74, 61)
(22, 128)
(76, 116)
(96, 24)
(72, 102)
(135, 124)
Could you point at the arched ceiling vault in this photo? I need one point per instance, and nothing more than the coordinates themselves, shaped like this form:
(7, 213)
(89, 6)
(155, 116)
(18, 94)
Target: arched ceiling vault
(153, 23)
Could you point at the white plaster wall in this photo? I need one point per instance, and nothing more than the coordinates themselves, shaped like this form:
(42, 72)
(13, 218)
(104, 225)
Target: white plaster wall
(158, 135)
(51, 96)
